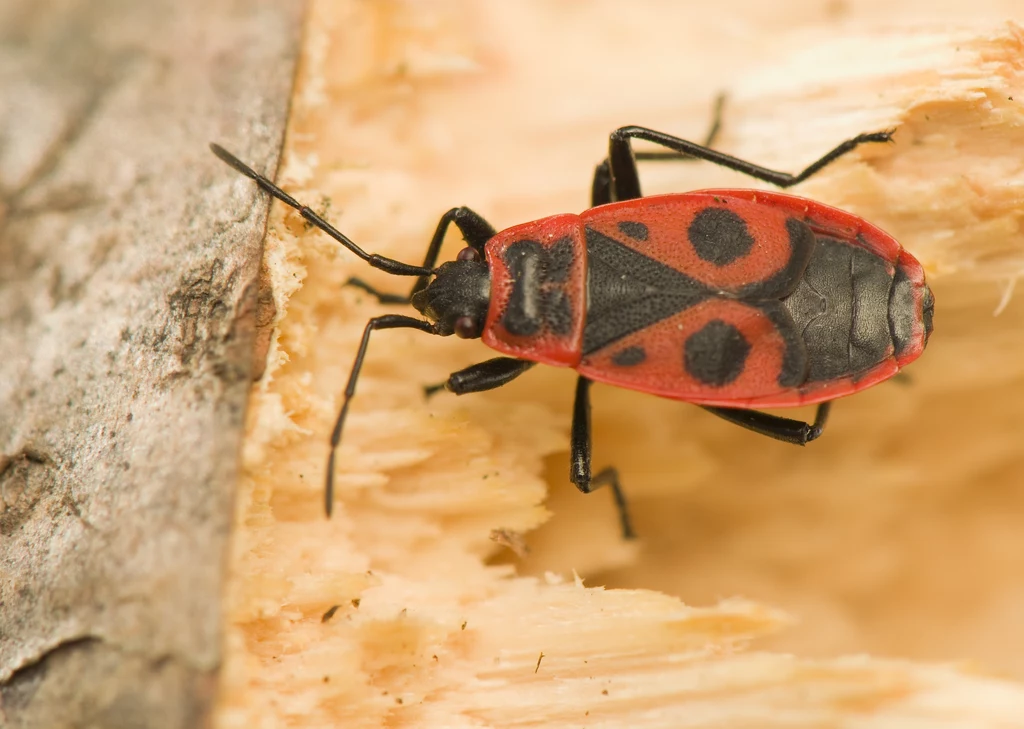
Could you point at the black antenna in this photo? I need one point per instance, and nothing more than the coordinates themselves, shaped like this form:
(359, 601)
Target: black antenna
(383, 263)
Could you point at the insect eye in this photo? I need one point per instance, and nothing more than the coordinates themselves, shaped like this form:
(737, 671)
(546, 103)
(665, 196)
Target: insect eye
(468, 254)
(466, 327)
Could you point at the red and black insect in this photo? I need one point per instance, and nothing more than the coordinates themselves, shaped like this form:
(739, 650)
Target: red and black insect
(730, 299)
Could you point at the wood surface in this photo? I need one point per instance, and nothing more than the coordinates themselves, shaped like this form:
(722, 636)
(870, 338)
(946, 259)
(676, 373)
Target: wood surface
(847, 584)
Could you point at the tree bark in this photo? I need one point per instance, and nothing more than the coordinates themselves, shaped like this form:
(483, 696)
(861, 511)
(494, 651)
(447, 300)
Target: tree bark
(128, 286)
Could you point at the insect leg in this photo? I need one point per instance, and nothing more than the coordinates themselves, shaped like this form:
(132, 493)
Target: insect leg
(623, 163)
(579, 457)
(382, 297)
(788, 430)
(389, 321)
(601, 187)
(475, 231)
(482, 376)
(709, 140)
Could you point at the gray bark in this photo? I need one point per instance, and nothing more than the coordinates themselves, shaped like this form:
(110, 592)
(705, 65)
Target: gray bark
(129, 261)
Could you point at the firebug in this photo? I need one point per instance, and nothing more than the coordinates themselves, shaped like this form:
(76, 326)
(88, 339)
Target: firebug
(732, 299)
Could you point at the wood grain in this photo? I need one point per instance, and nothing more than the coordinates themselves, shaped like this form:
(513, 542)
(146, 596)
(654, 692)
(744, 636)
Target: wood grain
(893, 535)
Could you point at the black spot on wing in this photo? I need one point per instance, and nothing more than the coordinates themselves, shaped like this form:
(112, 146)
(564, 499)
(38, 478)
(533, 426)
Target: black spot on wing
(636, 231)
(719, 236)
(629, 356)
(716, 354)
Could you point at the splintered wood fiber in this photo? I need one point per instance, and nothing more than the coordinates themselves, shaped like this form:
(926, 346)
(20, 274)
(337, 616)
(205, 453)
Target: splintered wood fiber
(870, 579)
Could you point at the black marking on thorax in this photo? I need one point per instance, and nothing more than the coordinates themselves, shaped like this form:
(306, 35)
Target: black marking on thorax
(538, 299)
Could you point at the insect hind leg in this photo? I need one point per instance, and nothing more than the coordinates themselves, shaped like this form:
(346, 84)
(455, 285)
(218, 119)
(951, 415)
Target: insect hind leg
(787, 430)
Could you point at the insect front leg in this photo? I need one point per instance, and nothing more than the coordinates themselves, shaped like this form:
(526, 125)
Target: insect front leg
(383, 297)
(482, 376)
(580, 453)
(389, 321)
(475, 231)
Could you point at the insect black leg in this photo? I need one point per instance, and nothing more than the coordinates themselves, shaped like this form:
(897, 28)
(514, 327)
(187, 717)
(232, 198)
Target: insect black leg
(709, 140)
(579, 457)
(774, 426)
(382, 296)
(475, 231)
(601, 187)
(623, 163)
(389, 321)
(482, 376)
